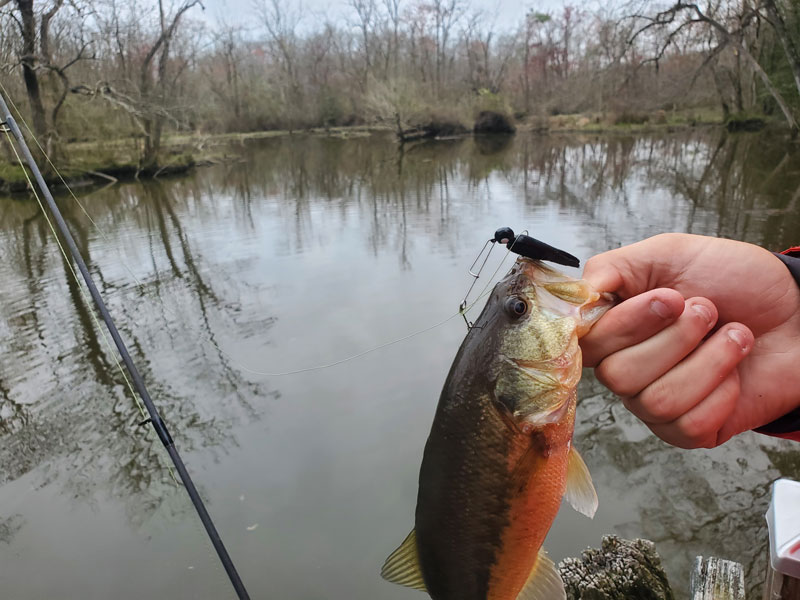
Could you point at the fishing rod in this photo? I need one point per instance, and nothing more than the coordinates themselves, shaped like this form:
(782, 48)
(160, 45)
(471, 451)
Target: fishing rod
(7, 121)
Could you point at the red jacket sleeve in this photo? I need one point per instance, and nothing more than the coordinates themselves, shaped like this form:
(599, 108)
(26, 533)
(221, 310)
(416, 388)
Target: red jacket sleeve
(788, 426)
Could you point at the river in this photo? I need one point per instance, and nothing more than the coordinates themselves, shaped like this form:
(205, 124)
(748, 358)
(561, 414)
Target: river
(300, 252)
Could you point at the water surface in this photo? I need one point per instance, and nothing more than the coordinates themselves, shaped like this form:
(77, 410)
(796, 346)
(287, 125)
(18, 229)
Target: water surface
(301, 252)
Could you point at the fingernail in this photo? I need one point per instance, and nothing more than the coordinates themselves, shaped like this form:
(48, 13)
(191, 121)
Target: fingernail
(661, 309)
(703, 311)
(739, 338)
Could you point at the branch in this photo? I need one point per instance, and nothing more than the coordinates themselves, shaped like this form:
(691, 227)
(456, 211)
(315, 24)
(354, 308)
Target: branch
(44, 29)
(708, 60)
(168, 32)
(138, 110)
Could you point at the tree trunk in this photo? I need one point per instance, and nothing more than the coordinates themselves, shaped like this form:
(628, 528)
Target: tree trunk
(787, 41)
(787, 112)
(38, 115)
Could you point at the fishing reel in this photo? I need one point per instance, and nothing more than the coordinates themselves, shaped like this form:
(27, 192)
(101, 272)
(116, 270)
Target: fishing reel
(521, 244)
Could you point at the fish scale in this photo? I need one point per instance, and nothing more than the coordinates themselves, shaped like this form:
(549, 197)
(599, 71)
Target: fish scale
(499, 457)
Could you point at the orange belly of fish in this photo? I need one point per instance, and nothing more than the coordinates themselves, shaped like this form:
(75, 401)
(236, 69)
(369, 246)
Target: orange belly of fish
(531, 513)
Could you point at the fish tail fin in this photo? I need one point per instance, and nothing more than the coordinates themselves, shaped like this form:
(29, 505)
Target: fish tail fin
(402, 567)
(580, 492)
(544, 582)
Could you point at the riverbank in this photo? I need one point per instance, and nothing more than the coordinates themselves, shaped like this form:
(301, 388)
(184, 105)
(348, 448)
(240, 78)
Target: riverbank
(109, 161)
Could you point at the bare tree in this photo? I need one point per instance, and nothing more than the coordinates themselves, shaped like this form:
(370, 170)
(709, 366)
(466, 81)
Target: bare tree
(784, 16)
(36, 57)
(153, 86)
(281, 26)
(393, 12)
(729, 32)
(366, 12)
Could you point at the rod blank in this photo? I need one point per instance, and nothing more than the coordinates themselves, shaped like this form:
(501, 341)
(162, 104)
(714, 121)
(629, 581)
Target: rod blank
(155, 418)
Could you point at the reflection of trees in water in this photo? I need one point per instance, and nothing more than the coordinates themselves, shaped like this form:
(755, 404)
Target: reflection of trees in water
(9, 528)
(65, 402)
(626, 187)
(13, 415)
(700, 502)
(67, 405)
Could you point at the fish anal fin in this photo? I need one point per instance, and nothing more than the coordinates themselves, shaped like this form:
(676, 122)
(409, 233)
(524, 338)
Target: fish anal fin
(402, 567)
(580, 492)
(544, 582)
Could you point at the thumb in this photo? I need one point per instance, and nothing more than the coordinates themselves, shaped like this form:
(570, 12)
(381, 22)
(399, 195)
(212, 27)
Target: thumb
(634, 269)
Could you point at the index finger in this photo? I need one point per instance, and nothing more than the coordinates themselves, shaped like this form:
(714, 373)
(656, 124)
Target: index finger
(630, 323)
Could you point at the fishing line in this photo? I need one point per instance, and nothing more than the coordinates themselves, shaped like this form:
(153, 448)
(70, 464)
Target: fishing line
(462, 311)
(68, 262)
(63, 181)
(154, 417)
(82, 291)
(206, 337)
(360, 354)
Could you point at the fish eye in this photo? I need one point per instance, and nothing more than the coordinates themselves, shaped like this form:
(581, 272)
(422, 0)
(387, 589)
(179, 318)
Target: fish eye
(516, 307)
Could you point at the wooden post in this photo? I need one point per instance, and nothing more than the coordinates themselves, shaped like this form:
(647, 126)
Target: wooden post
(717, 579)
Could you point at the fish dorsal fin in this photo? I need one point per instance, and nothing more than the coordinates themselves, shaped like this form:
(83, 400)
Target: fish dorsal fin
(402, 567)
(544, 582)
(580, 491)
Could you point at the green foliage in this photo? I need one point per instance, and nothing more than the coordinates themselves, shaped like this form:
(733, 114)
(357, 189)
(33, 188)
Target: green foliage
(537, 17)
(773, 60)
(12, 175)
(631, 118)
(491, 101)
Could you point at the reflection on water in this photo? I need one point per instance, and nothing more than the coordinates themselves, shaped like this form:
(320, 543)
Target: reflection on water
(309, 250)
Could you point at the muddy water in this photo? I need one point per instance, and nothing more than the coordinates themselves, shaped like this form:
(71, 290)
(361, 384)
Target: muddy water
(301, 252)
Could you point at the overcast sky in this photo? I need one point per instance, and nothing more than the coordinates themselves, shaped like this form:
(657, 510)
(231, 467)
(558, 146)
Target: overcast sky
(508, 13)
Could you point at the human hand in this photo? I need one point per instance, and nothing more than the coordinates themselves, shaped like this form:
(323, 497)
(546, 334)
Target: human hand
(706, 343)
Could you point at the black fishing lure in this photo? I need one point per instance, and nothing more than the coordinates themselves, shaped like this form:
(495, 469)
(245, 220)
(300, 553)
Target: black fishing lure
(525, 245)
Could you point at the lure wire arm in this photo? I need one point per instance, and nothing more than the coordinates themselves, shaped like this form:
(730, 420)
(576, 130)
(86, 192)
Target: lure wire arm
(463, 306)
(504, 235)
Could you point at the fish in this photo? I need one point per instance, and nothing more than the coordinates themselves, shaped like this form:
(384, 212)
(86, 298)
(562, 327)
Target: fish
(499, 457)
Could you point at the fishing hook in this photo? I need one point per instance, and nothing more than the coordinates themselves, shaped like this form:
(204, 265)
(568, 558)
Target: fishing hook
(504, 235)
(521, 244)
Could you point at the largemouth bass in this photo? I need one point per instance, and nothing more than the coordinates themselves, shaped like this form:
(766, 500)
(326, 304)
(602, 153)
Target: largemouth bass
(499, 457)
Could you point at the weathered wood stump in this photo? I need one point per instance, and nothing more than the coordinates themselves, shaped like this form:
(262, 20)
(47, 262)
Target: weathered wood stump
(717, 579)
(618, 570)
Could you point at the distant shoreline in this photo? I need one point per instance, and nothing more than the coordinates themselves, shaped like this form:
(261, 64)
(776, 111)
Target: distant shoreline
(104, 162)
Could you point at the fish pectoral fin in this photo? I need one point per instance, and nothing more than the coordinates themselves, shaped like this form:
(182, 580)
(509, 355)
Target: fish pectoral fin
(580, 493)
(402, 567)
(544, 582)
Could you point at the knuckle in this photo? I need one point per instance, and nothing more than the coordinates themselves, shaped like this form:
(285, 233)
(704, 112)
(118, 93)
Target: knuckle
(695, 433)
(609, 373)
(657, 401)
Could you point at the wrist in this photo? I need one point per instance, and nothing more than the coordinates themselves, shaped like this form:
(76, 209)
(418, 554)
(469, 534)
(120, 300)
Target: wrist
(787, 426)
(791, 258)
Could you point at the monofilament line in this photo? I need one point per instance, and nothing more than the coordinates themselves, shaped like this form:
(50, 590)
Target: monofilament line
(204, 336)
(155, 418)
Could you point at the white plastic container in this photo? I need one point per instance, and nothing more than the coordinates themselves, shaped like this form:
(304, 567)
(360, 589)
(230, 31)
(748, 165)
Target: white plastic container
(783, 521)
